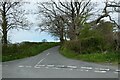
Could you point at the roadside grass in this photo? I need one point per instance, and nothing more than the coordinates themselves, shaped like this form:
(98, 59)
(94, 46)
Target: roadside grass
(23, 50)
(0, 58)
(110, 57)
(0, 52)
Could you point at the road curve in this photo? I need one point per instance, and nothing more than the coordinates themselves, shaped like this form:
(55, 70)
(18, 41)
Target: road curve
(51, 64)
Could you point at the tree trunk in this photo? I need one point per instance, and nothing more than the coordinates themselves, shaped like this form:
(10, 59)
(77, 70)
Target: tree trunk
(61, 40)
(4, 26)
(4, 38)
(62, 35)
(118, 42)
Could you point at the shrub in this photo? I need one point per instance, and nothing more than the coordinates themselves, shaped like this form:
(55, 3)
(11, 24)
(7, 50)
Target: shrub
(92, 44)
(73, 45)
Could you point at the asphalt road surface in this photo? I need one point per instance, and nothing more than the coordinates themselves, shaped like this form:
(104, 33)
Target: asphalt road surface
(51, 64)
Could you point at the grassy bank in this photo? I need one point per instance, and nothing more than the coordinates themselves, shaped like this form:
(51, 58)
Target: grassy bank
(0, 57)
(23, 50)
(95, 57)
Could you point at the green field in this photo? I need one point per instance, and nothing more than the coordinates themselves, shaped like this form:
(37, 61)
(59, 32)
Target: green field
(23, 50)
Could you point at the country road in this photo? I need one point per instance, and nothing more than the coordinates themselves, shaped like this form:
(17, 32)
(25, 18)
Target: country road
(51, 64)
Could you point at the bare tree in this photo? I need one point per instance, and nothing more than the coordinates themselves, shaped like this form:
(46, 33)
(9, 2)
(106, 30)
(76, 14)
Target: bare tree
(77, 13)
(106, 13)
(12, 17)
(52, 20)
(115, 6)
(65, 19)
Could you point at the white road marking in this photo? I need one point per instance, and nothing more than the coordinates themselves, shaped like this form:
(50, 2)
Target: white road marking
(36, 67)
(87, 68)
(39, 62)
(41, 65)
(48, 54)
(21, 66)
(50, 65)
(56, 68)
(100, 71)
(117, 70)
(61, 66)
(72, 67)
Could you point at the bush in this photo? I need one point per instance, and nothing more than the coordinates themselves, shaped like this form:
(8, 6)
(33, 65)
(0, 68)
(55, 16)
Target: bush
(92, 44)
(73, 45)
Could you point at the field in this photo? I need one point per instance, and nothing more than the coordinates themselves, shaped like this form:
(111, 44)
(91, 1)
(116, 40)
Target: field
(23, 50)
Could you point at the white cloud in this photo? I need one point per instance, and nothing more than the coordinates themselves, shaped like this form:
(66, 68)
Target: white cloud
(32, 36)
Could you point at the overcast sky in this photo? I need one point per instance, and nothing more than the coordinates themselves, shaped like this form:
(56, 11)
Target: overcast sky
(16, 36)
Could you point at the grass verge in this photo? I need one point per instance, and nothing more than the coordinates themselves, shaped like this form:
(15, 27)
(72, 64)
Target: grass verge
(95, 57)
(0, 58)
(23, 50)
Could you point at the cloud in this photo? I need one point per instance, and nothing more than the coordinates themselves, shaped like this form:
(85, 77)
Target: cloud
(32, 36)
